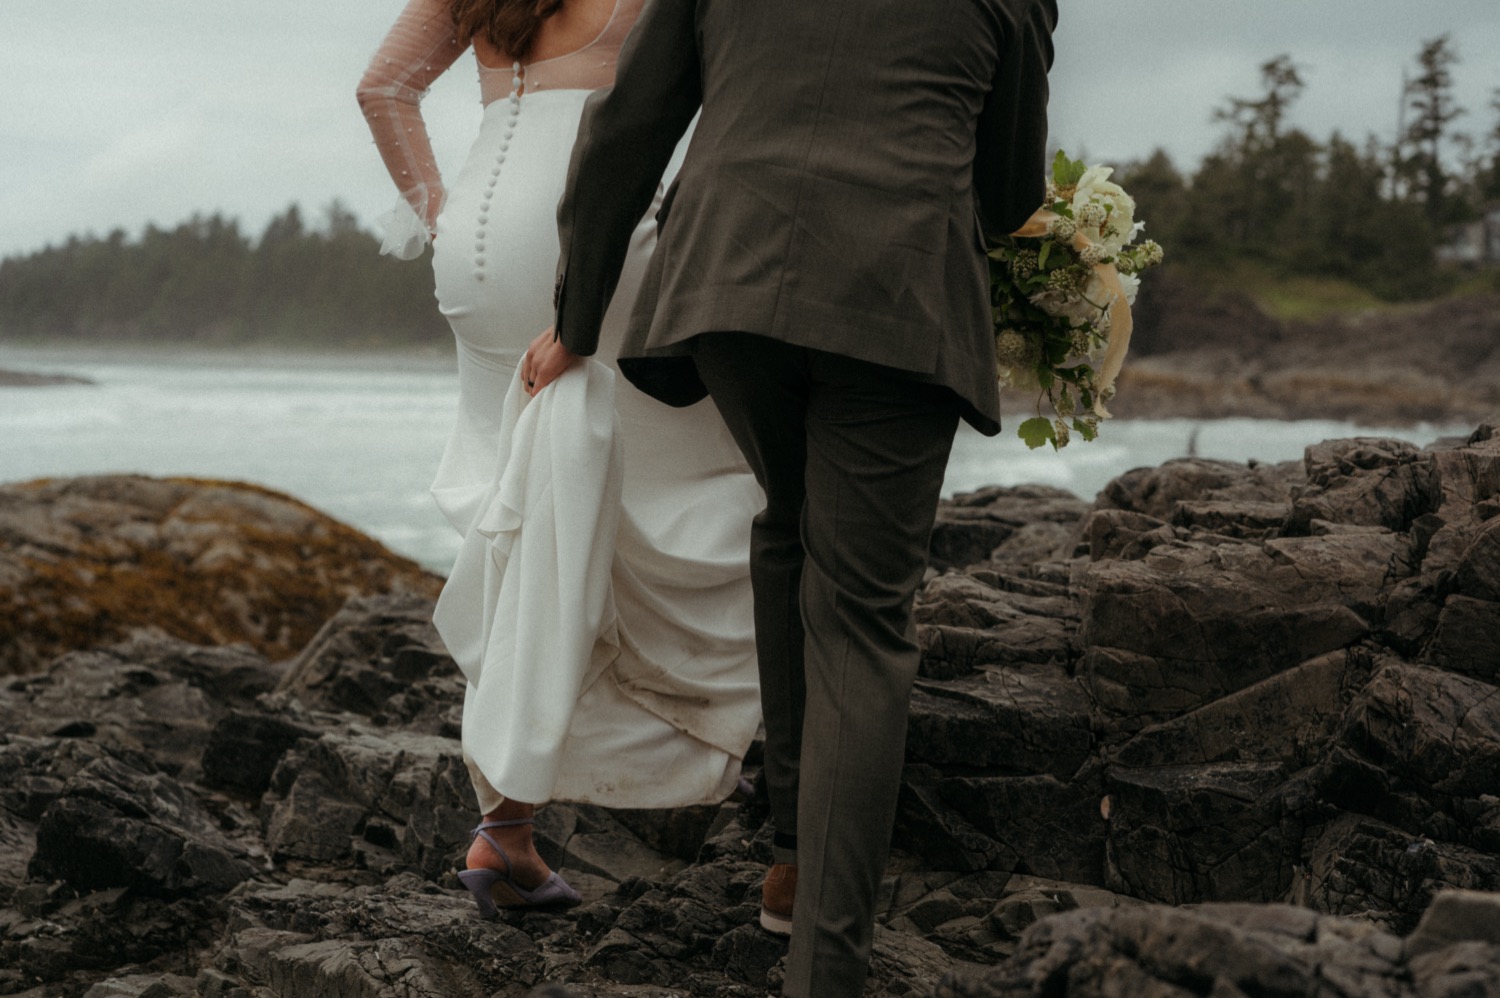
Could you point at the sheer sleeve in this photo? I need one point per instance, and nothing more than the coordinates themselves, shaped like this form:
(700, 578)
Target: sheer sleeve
(420, 46)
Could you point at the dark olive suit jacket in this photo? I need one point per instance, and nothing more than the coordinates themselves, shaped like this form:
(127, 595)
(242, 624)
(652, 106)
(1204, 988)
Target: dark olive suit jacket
(851, 161)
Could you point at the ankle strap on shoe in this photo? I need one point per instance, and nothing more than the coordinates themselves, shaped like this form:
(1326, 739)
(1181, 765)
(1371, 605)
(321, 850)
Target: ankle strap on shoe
(508, 823)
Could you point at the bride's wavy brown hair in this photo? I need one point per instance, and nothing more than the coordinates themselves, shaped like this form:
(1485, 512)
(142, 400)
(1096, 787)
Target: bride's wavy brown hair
(509, 25)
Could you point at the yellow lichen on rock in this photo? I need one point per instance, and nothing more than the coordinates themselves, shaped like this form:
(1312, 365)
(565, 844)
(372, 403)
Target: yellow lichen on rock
(85, 561)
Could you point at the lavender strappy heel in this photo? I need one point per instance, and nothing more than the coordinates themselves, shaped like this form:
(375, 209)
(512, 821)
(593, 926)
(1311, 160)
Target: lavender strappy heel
(494, 890)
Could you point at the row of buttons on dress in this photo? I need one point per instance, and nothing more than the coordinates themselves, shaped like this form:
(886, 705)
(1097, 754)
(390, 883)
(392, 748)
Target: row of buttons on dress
(489, 191)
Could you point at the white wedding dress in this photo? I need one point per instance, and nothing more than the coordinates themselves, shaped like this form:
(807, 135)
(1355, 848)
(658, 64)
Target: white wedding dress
(600, 605)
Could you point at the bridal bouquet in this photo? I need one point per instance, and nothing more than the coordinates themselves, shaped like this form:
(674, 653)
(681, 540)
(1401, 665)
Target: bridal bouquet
(1062, 292)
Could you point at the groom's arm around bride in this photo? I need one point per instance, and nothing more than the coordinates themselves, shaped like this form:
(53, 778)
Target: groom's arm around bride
(820, 271)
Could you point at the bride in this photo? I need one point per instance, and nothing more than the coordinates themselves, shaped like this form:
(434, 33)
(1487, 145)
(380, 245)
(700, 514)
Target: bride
(600, 605)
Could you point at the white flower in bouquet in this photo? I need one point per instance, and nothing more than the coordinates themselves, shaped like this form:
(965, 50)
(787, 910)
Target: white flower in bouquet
(1095, 190)
(1061, 294)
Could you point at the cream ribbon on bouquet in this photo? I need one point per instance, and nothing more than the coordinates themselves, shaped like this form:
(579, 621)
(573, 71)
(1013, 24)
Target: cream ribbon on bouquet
(1039, 226)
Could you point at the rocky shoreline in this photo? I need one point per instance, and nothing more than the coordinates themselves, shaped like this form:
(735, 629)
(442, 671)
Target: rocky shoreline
(1204, 354)
(36, 379)
(1228, 730)
(1200, 355)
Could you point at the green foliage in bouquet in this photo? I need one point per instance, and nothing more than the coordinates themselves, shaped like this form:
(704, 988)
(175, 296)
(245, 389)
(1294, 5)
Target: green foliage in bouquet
(1061, 291)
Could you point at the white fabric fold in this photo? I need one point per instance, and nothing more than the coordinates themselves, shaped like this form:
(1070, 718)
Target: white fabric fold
(527, 612)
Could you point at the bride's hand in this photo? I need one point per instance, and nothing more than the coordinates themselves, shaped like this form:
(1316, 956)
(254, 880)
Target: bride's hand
(545, 359)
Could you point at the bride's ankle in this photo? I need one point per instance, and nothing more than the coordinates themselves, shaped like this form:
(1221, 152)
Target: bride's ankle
(515, 840)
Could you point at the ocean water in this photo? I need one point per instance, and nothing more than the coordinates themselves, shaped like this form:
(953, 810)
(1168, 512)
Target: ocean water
(359, 435)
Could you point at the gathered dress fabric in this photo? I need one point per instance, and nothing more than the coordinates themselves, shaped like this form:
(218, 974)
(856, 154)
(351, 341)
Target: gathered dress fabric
(600, 605)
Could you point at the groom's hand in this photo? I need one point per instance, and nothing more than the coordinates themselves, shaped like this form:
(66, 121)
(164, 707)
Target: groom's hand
(545, 359)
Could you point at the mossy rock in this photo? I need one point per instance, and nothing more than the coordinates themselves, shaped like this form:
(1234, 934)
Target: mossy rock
(86, 561)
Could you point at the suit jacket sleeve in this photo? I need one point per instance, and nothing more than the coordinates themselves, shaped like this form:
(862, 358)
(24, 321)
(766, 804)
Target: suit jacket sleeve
(625, 141)
(1011, 154)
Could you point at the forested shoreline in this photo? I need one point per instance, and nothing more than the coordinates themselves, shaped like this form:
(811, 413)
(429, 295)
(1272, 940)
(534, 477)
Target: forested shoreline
(205, 281)
(1371, 213)
(1270, 204)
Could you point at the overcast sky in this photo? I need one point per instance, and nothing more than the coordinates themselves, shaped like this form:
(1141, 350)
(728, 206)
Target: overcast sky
(120, 112)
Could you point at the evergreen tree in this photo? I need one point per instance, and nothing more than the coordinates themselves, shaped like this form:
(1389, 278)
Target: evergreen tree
(1259, 121)
(1429, 97)
(1262, 174)
(1160, 192)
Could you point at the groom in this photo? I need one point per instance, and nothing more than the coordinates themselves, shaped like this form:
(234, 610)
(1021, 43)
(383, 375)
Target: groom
(820, 272)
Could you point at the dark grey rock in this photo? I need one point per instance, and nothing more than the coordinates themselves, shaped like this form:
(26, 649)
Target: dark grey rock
(1236, 518)
(1478, 572)
(1183, 834)
(55, 934)
(673, 833)
(965, 622)
(153, 694)
(144, 986)
(1368, 482)
(1219, 950)
(1467, 969)
(1042, 824)
(1124, 535)
(1157, 491)
(1285, 719)
(404, 936)
(211, 983)
(1457, 917)
(1190, 623)
(1362, 866)
(1466, 638)
(115, 826)
(972, 525)
(380, 657)
(380, 801)
(927, 826)
(1432, 730)
(1412, 611)
(245, 747)
(1009, 720)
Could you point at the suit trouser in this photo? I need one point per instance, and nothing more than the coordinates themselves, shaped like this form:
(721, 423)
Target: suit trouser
(851, 456)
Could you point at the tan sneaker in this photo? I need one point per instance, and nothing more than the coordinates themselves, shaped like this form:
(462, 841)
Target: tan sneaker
(776, 898)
